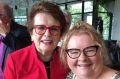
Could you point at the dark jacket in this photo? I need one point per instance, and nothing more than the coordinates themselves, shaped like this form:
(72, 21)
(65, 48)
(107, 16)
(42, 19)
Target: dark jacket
(17, 38)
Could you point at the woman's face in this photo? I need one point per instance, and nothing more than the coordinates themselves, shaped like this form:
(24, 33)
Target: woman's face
(46, 42)
(84, 66)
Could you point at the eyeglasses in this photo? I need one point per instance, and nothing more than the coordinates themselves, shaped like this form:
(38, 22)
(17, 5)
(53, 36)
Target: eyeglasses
(41, 29)
(2, 15)
(88, 51)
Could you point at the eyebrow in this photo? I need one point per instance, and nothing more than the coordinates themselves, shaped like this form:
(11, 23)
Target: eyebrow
(86, 47)
(46, 25)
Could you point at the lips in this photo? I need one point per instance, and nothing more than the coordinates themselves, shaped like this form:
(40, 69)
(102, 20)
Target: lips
(83, 65)
(46, 41)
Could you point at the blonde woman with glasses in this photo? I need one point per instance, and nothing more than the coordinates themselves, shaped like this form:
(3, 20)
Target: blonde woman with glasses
(84, 52)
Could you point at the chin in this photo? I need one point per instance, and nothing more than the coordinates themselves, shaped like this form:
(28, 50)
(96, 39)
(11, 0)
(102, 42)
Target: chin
(47, 49)
(83, 74)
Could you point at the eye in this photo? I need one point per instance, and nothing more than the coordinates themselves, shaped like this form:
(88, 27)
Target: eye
(73, 51)
(54, 29)
(41, 27)
(90, 50)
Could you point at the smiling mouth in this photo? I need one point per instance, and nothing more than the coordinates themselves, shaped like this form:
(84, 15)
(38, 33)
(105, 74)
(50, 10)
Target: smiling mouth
(47, 41)
(84, 65)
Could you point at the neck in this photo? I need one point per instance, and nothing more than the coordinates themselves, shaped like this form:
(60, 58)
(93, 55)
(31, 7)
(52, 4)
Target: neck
(45, 57)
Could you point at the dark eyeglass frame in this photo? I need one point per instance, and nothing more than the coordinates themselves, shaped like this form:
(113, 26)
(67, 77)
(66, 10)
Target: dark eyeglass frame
(54, 30)
(2, 15)
(84, 51)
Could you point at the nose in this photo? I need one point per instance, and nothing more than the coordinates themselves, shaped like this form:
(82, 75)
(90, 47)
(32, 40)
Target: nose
(47, 32)
(82, 57)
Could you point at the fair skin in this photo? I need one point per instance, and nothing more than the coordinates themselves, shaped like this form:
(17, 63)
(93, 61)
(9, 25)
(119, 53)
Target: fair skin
(4, 21)
(84, 67)
(45, 43)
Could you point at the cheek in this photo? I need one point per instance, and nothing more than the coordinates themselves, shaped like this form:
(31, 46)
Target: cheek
(56, 39)
(97, 61)
(71, 62)
(99, 58)
(35, 37)
(5, 20)
(97, 64)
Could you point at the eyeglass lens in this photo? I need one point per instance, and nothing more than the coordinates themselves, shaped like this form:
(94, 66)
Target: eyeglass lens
(41, 29)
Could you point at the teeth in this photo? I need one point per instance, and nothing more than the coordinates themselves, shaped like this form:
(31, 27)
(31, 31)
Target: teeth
(46, 41)
(84, 65)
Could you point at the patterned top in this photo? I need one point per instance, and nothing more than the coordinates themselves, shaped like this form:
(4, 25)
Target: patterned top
(71, 75)
(116, 75)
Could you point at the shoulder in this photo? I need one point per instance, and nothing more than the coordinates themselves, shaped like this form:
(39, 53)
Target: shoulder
(18, 30)
(16, 26)
(20, 53)
(23, 53)
(21, 57)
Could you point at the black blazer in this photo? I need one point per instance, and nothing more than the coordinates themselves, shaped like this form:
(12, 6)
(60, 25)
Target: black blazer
(17, 38)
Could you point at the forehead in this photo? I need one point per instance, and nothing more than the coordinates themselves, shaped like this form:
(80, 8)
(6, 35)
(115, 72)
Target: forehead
(80, 41)
(45, 19)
